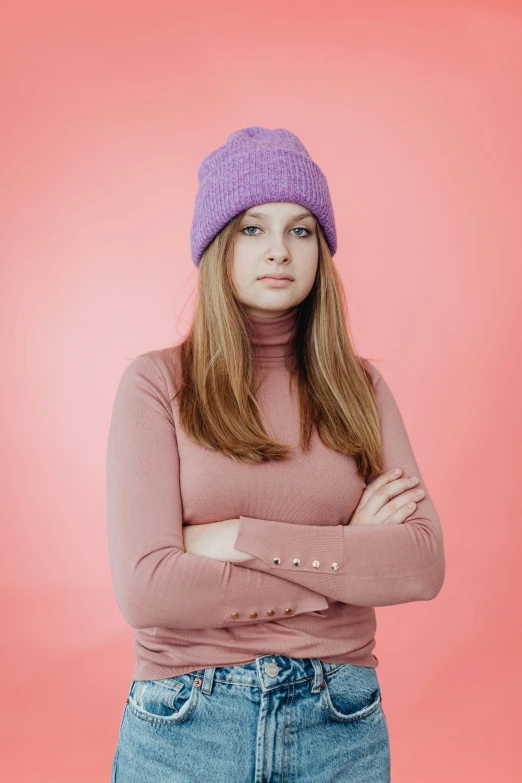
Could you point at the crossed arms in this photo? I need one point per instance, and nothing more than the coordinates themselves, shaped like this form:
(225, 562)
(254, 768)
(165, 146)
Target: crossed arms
(158, 583)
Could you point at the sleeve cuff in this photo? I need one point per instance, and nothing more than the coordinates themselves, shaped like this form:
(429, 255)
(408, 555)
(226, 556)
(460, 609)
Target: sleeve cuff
(276, 610)
(284, 546)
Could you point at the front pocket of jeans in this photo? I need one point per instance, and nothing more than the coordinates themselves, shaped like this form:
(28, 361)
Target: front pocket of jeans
(168, 701)
(351, 693)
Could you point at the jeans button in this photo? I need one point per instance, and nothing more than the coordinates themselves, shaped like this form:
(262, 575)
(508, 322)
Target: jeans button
(271, 669)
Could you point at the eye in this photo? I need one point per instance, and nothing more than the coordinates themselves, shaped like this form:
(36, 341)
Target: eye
(302, 228)
(297, 228)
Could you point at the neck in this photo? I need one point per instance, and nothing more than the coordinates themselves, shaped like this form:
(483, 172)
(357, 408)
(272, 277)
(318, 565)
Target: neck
(270, 337)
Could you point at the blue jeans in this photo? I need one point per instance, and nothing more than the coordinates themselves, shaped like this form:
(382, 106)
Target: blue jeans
(274, 720)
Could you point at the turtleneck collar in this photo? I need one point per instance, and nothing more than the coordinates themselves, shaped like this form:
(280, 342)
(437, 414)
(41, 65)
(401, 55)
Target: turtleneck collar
(270, 337)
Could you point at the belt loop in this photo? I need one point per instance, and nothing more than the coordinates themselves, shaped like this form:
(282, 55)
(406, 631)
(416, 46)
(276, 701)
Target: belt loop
(318, 675)
(208, 680)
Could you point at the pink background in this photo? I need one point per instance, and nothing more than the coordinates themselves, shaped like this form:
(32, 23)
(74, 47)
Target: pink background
(414, 112)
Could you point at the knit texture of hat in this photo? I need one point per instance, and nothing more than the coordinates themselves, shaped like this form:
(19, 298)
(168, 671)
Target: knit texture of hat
(254, 166)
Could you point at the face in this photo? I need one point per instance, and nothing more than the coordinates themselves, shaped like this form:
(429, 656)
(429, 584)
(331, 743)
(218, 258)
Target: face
(277, 238)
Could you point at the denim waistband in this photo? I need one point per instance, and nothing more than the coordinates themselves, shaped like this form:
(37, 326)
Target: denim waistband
(268, 672)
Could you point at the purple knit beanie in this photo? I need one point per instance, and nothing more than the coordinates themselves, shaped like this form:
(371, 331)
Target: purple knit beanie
(254, 166)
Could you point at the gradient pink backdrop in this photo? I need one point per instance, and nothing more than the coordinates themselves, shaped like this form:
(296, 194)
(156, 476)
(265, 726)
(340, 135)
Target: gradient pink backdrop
(414, 112)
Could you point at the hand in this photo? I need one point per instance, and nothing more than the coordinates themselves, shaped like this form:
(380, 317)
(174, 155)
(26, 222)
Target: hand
(215, 540)
(386, 499)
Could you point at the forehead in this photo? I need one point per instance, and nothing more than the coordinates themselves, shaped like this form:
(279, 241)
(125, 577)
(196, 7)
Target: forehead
(272, 209)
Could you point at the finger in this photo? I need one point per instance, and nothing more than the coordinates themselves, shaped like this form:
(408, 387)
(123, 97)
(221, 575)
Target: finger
(402, 513)
(395, 493)
(376, 484)
(382, 507)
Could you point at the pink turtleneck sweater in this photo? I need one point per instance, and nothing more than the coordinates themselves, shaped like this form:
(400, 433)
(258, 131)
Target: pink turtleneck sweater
(191, 612)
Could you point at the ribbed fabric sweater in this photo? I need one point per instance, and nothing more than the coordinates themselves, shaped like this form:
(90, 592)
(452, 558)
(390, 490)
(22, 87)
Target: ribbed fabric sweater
(191, 612)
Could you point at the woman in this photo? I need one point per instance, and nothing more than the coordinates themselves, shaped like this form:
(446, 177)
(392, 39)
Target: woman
(263, 498)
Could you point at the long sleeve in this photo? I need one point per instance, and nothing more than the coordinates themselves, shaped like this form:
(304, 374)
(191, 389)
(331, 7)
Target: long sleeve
(364, 565)
(156, 582)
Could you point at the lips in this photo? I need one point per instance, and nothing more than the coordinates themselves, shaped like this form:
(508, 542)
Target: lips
(277, 277)
(276, 282)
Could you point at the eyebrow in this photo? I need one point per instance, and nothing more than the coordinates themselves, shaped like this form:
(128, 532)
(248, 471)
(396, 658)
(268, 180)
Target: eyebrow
(295, 217)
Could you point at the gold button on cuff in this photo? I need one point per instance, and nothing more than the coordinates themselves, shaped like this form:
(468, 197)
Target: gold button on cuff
(277, 560)
(253, 615)
(316, 564)
(235, 615)
(270, 612)
(335, 566)
(288, 611)
(296, 561)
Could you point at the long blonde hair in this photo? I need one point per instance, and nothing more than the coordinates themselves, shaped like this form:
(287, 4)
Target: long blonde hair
(217, 403)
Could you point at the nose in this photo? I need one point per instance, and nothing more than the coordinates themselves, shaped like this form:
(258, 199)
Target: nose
(278, 256)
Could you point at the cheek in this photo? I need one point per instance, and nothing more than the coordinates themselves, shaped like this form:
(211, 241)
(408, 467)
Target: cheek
(240, 268)
(306, 283)
(307, 251)
(242, 254)
(309, 265)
